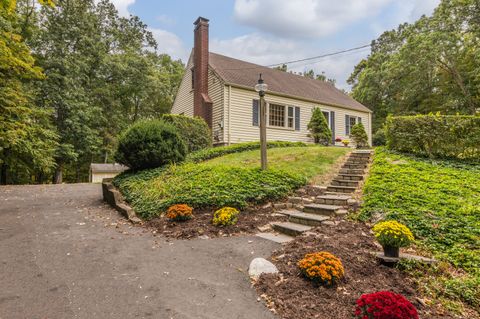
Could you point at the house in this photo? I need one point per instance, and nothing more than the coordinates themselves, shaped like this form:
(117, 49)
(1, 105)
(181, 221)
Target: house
(220, 89)
(100, 171)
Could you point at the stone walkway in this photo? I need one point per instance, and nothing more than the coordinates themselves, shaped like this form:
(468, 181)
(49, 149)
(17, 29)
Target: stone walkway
(330, 203)
(65, 254)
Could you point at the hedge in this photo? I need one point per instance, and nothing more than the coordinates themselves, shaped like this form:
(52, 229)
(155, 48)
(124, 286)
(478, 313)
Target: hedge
(210, 153)
(194, 131)
(435, 136)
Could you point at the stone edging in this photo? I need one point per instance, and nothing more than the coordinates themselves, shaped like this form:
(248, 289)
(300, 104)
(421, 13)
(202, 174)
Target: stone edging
(114, 198)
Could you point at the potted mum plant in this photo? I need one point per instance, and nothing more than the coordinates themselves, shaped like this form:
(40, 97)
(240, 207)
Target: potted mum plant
(345, 142)
(392, 235)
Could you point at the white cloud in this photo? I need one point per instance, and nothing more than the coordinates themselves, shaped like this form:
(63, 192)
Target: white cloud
(257, 48)
(304, 18)
(122, 6)
(170, 43)
(165, 20)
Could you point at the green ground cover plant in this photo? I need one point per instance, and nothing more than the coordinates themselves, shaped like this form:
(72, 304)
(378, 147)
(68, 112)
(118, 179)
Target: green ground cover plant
(440, 202)
(234, 180)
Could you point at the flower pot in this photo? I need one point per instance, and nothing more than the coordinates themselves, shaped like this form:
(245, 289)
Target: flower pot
(390, 251)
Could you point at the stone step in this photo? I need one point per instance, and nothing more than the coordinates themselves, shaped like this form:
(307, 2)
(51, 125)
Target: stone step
(275, 237)
(341, 189)
(290, 229)
(362, 152)
(354, 166)
(352, 171)
(321, 209)
(360, 157)
(351, 177)
(342, 182)
(298, 217)
(340, 200)
(356, 161)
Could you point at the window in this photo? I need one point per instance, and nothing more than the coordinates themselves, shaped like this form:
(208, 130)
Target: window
(290, 119)
(350, 121)
(276, 115)
(281, 116)
(327, 117)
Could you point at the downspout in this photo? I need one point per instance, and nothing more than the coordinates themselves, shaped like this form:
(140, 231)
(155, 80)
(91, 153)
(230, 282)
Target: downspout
(370, 128)
(228, 113)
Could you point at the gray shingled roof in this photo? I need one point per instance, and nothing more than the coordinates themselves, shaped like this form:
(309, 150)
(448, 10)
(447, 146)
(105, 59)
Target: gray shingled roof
(245, 74)
(107, 168)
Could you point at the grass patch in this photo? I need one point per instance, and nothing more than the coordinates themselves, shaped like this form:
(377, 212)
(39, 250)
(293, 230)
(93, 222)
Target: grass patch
(232, 180)
(440, 202)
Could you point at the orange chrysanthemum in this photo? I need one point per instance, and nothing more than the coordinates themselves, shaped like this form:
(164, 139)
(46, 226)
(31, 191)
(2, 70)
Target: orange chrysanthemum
(179, 212)
(322, 267)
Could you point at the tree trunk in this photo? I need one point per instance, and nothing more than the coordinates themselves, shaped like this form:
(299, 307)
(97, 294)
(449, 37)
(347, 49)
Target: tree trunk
(3, 174)
(58, 176)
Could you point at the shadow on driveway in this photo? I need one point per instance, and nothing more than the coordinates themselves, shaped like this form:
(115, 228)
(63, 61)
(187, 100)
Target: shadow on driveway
(64, 254)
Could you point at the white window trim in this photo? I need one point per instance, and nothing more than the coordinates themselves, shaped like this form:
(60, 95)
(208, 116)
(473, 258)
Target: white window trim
(285, 122)
(350, 126)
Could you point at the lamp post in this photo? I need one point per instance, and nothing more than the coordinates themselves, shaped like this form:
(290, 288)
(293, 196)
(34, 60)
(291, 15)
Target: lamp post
(261, 88)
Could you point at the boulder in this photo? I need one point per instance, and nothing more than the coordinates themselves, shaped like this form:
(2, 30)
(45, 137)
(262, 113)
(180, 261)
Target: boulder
(260, 266)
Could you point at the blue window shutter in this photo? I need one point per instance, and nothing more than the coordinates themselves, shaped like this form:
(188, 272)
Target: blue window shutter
(332, 125)
(255, 113)
(347, 125)
(297, 118)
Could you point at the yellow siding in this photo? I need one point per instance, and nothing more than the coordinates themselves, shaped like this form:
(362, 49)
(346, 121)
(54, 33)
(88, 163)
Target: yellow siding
(215, 92)
(242, 130)
(183, 103)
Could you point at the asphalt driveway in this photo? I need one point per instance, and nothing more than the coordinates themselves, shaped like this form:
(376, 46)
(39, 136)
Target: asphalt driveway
(64, 254)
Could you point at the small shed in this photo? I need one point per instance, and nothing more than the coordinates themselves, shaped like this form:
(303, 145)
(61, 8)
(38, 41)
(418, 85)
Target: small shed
(100, 171)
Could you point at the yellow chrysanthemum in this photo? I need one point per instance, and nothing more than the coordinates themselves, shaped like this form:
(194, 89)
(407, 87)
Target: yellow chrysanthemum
(392, 233)
(225, 216)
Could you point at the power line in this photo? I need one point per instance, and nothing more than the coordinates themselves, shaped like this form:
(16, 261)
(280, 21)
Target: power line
(321, 56)
(306, 59)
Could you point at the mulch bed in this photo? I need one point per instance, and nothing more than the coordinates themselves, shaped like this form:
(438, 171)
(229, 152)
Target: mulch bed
(294, 297)
(249, 222)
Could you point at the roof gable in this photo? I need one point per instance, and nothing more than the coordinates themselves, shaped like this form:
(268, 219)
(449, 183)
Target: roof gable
(245, 74)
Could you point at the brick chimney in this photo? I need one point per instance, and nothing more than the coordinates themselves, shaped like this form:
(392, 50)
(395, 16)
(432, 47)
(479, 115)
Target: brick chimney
(202, 105)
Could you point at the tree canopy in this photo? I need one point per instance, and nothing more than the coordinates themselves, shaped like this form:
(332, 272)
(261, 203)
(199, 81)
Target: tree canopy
(432, 65)
(74, 75)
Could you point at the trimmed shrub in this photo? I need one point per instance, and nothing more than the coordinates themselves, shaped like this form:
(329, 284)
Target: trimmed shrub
(194, 131)
(225, 216)
(359, 136)
(392, 233)
(379, 138)
(150, 144)
(179, 212)
(435, 136)
(210, 153)
(319, 129)
(384, 305)
(322, 267)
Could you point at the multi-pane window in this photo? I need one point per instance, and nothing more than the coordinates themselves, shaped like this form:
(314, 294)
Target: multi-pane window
(350, 121)
(327, 117)
(290, 119)
(281, 116)
(276, 115)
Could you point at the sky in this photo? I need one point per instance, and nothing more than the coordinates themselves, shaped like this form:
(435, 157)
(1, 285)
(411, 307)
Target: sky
(274, 31)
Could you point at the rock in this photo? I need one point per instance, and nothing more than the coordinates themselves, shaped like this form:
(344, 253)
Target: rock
(264, 228)
(260, 266)
(307, 201)
(267, 205)
(280, 206)
(295, 200)
(289, 205)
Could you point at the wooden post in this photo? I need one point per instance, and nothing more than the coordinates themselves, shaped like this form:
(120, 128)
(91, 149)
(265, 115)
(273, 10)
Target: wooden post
(263, 133)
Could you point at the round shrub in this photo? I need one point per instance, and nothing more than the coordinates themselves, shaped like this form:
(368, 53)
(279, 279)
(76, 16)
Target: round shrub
(225, 216)
(150, 144)
(179, 212)
(384, 305)
(392, 233)
(194, 131)
(359, 135)
(322, 267)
